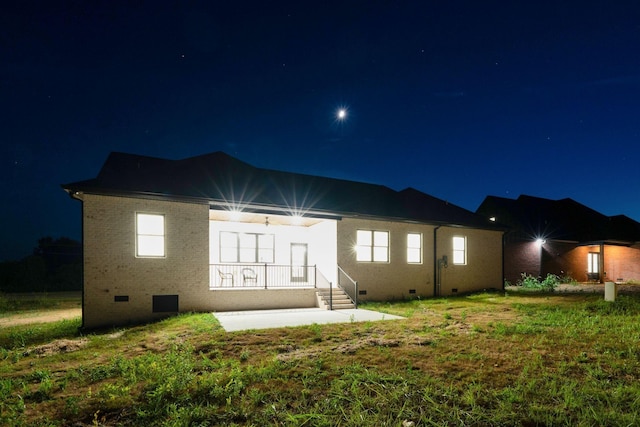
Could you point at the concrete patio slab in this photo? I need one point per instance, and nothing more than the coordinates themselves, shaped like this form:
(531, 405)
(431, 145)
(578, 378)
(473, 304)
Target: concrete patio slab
(265, 319)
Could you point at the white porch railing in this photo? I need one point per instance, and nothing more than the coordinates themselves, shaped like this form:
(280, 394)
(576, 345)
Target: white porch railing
(262, 276)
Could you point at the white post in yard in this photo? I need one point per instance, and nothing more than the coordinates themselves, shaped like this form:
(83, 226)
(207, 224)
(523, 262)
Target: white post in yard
(610, 291)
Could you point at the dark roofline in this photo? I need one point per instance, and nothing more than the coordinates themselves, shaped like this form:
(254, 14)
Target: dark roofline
(563, 220)
(215, 178)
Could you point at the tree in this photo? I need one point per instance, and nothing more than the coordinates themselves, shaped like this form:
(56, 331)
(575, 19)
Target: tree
(56, 265)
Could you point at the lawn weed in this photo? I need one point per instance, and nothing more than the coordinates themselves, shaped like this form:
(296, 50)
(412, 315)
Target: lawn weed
(482, 359)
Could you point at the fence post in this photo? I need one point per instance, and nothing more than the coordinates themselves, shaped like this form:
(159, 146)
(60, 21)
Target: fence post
(265, 275)
(355, 296)
(330, 296)
(315, 275)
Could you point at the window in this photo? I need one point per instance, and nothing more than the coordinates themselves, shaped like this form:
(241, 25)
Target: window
(149, 235)
(372, 246)
(592, 262)
(414, 248)
(459, 250)
(228, 247)
(246, 247)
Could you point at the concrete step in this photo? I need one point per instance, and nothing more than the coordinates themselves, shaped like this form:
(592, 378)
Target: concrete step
(339, 299)
(344, 306)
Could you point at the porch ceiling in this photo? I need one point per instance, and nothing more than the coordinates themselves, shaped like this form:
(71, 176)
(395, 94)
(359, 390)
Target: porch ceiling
(260, 218)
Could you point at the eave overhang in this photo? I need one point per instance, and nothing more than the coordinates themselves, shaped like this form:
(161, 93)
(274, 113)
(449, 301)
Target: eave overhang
(77, 193)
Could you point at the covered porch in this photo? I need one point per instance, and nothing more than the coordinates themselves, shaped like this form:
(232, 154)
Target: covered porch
(249, 250)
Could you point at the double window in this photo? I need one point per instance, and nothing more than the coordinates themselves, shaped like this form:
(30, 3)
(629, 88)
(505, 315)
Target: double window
(372, 246)
(150, 235)
(246, 247)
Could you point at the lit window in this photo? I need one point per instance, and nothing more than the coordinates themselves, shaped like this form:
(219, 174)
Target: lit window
(149, 235)
(246, 247)
(459, 250)
(372, 246)
(228, 247)
(592, 262)
(265, 247)
(414, 248)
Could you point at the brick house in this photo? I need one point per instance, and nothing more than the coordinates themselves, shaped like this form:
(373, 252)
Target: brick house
(565, 238)
(212, 233)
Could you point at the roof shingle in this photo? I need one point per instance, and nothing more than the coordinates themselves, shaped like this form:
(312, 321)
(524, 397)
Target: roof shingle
(220, 178)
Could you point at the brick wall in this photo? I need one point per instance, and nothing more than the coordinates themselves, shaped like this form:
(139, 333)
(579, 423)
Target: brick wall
(622, 263)
(396, 279)
(521, 257)
(483, 269)
(566, 259)
(118, 286)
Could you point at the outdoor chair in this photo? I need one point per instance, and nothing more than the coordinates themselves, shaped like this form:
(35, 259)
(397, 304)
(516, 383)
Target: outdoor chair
(249, 276)
(225, 276)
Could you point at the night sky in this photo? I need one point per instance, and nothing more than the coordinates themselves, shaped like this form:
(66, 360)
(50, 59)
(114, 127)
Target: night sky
(459, 99)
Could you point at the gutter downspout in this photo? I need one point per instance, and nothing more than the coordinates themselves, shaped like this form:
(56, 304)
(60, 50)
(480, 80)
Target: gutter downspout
(436, 274)
(601, 272)
(82, 265)
(504, 238)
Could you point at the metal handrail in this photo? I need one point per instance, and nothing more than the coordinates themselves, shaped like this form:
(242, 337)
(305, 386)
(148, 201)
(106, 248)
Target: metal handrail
(354, 283)
(260, 275)
(324, 283)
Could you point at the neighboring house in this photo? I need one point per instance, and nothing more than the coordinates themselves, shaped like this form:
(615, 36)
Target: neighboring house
(565, 238)
(212, 233)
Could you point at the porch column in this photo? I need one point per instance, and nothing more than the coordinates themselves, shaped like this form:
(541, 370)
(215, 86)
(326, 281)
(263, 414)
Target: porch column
(601, 263)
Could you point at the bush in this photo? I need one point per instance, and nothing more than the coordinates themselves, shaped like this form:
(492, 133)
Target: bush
(548, 284)
(566, 278)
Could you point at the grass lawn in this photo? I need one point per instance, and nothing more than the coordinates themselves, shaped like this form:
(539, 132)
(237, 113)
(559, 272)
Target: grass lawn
(486, 359)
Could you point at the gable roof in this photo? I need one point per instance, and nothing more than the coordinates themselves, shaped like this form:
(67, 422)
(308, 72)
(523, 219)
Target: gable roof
(563, 219)
(222, 180)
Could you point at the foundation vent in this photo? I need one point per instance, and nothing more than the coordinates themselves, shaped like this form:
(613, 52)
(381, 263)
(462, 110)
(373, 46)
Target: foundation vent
(165, 303)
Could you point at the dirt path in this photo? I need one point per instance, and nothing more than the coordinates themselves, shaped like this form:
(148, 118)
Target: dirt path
(26, 318)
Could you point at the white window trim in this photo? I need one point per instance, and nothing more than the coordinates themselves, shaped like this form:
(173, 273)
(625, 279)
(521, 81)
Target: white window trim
(593, 258)
(140, 236)
(454, 259)
(372, 247)
(413, 248)
(257, 248)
